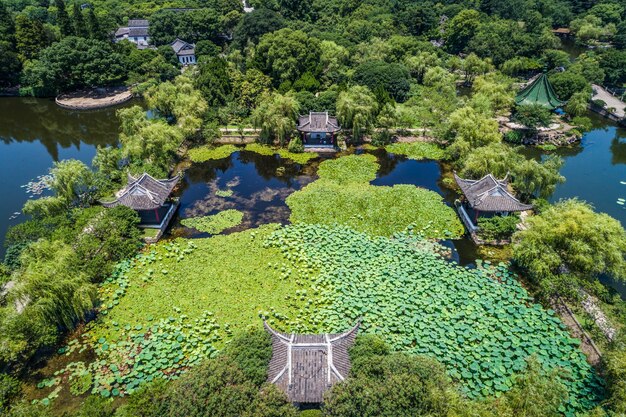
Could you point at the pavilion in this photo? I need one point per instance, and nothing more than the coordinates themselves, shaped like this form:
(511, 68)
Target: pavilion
(487, 196)
(150, 198)
(305, 366)
(540, 91)
(318, 129)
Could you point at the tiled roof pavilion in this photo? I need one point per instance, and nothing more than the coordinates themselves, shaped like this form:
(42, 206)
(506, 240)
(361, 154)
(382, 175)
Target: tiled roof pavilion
(305, 366)
(489, 194)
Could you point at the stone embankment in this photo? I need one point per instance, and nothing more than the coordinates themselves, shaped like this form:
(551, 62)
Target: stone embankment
(98, 98)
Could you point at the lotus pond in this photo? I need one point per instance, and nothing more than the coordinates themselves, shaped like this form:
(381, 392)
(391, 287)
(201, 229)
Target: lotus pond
(361, 246)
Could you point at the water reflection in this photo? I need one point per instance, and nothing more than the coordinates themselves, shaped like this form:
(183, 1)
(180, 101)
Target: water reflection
(41, 120)
(259, 185)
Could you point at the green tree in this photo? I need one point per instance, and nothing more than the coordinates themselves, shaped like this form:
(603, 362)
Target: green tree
(393, 78)
(473, 66)
(382, 384)
(63, 19)
(248, 88)
(567, 83)
(80, 26)
(333, 59)
(529, 177)
(213, 80)
(286, 54)
(256, 24)
(149, 144)
(10, 64)
(461, 29)
(357, 109)
(95, 30)
(74, 63)
(470, 129)
(569, 243)
(420, 63)
(276, 116)
(577, 104)
(532, 115)
(29, 37)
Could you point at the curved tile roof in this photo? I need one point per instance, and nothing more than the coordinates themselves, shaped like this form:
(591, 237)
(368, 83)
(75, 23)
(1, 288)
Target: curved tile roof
(490, 194)
(305, 366)
(144, 192)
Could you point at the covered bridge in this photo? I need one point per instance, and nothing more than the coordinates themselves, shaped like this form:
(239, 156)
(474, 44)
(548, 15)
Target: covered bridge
(305, 366)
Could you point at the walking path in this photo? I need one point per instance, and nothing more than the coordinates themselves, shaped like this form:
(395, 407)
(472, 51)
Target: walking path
(611, 101)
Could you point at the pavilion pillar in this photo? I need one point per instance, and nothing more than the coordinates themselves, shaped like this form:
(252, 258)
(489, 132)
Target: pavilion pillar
(156, 213)
(476, 216)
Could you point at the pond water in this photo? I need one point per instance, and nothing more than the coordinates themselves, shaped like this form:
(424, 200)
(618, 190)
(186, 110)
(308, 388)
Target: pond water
(33, 134)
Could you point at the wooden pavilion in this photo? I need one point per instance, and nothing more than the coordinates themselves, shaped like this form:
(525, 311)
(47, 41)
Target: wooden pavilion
(487, 196)
(150, 198)
(305, 366)
(318, 129)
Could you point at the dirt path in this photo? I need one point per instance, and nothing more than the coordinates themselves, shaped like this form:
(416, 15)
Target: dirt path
(589, 348)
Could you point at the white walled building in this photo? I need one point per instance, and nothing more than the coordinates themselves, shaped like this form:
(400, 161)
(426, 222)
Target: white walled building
(185, 52)
(136, 32)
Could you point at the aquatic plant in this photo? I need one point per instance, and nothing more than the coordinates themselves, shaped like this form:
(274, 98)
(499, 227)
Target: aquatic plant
(417, 150)
(375, 210)
(206, 153)
(481, 324)
(224, 193)
(215, 223)
(349, 169)
(299, 158)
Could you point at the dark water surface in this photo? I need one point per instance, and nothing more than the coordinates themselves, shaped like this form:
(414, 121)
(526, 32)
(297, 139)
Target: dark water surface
(36, 132)
(259, 184)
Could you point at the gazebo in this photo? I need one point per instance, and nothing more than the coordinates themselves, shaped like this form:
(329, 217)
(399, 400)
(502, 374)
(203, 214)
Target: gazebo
(487, 196)
(318, 129)
(305, 366)
(150, 198)
(540, 92)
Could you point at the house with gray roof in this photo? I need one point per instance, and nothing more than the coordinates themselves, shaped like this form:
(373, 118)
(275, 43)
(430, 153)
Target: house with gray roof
(137, 32)
(185, 51)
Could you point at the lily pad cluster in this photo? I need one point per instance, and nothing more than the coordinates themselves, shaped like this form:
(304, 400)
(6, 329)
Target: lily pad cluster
(417, 150)
(299, 158)
(480, 323)
(207, 153)
(215, 223)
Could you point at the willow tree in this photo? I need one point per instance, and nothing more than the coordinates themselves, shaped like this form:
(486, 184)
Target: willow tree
(470, 129)
(529, 177)
(276, 117)
(570, 243)
(357, 109)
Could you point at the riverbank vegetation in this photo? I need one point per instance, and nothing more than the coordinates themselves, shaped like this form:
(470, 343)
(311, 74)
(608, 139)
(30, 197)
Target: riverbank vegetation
(442, 75)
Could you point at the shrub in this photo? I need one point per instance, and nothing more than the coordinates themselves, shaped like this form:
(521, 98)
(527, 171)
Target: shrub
(582, 123)
(532, 115)
(311, 413)
(514, 136)
(252, 351)
(381, 137)
(96, 406)
(9, 390)
(497, 227)
(295, 145)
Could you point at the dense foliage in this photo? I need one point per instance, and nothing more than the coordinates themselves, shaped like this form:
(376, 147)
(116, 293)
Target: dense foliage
(568, 243)
(215, 223)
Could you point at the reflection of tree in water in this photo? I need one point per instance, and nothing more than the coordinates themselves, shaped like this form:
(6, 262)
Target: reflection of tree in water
(618, 151)
(267, 166)
(30, 119)
(387, 161)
